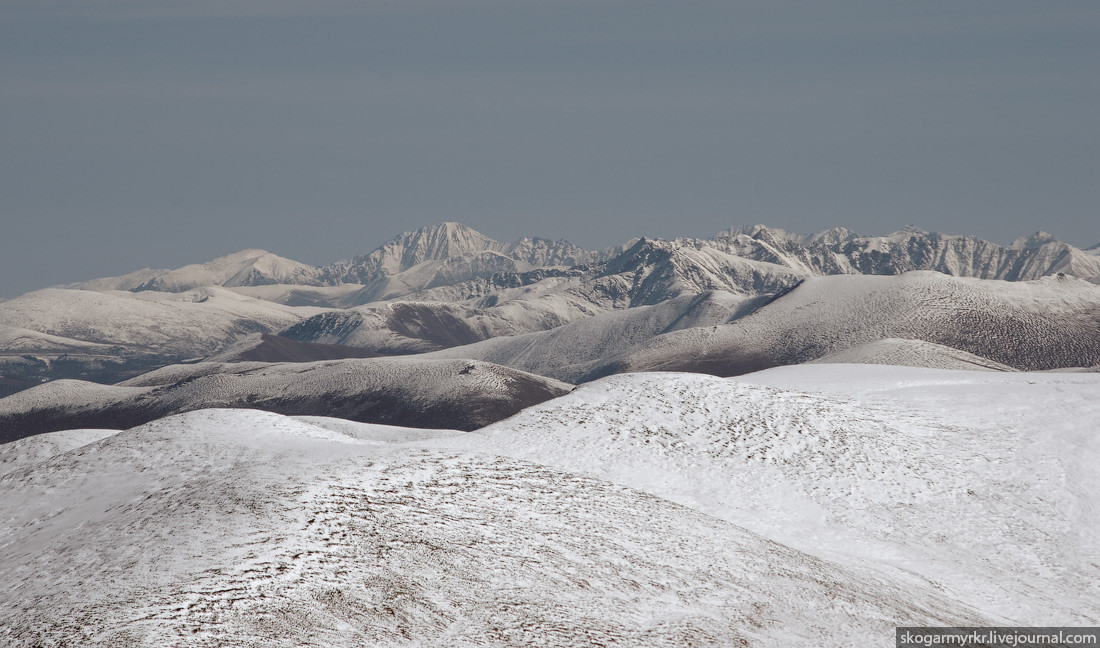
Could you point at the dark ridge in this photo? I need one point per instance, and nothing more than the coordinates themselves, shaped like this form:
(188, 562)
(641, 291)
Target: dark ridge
(338, 324)
(275, 348)
(115, 416)
(422, 321)
(407, 400)
(756, 303)
(9, 386)
(733, 363)
(27, 371)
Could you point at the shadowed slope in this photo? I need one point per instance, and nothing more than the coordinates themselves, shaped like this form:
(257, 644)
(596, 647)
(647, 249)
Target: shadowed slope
(458, 394)
(1045, 324)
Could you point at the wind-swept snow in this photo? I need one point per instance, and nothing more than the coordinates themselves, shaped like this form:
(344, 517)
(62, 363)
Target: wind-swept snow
(984, 484)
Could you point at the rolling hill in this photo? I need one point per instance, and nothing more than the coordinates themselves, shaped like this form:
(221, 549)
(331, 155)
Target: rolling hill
(235, 527)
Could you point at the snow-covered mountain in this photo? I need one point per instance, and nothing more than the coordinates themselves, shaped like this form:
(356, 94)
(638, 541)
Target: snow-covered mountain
(450, 254)
(841, 251)
(449, 241)
(449, 286)
(917, 319)
(170, 323)
(251, 497)
(580, 350)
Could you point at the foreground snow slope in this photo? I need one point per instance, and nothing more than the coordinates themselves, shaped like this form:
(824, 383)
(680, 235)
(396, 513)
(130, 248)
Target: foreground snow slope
(984, 484)
(40, 447)
(242, 528)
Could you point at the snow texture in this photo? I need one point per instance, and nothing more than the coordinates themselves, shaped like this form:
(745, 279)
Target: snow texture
(912, 353)
(981, 485)
(241, 528)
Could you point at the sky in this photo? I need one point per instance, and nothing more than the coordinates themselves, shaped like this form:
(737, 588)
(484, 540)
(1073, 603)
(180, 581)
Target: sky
(157, 133)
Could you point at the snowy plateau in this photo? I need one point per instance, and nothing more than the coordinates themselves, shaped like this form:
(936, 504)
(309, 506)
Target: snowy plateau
(758, 439)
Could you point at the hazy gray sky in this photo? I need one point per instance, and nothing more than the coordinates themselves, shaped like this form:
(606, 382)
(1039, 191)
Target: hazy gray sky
(163, 132)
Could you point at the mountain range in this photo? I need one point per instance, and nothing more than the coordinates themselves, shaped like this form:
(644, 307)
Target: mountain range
(757, 439)
(451, 253)
(746, 299)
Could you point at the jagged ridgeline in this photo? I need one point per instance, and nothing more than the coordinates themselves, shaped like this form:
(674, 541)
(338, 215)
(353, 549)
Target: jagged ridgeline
(749, 298)
(455, 254)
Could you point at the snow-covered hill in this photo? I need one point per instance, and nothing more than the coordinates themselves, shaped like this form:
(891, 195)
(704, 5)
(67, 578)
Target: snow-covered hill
(981, 485)
(401, 391)
(1049, 323)
(241, 528)
(244, 268)
(402, 327)
(107, 336)
(196, 322)
(19, 341)
(912, 353)
(264, 347)
(813, 505)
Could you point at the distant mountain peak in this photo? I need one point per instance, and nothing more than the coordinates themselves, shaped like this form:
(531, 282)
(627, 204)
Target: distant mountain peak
(449, 240)
(755, 231)
(832, 236)
(252, 266)
(1033, 241)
